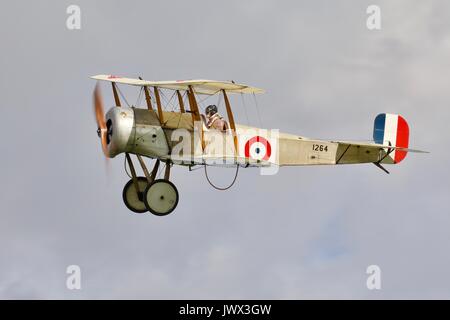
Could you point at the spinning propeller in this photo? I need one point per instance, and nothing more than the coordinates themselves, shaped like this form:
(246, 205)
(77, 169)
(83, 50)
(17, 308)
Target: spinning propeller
(104, 130)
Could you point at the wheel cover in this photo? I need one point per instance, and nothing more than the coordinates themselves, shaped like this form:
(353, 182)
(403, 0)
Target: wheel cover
(161, 197)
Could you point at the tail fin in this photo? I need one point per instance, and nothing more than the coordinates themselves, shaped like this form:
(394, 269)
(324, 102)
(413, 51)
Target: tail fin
(393, 130)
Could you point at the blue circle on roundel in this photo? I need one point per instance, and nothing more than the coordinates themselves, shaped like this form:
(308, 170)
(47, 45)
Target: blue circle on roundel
(257, 150)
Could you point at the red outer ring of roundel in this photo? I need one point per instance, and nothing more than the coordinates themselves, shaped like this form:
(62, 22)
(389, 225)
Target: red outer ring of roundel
(263, 141)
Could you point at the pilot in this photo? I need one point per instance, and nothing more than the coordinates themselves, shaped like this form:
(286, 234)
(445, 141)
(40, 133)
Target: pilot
(214, 120)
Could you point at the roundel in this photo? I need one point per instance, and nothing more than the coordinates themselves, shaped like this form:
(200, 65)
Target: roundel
(258, 148)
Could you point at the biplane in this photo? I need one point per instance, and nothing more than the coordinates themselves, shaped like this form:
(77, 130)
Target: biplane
(183, 137)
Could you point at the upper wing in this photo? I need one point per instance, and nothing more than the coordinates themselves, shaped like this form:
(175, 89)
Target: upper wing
(200, 86)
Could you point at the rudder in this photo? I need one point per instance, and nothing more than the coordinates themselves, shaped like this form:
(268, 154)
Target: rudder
(392, 130)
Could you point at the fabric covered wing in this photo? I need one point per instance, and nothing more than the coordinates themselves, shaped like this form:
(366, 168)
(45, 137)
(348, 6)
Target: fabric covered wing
(208, 87)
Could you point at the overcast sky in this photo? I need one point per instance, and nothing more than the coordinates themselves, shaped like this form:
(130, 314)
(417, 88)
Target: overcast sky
(307, 232)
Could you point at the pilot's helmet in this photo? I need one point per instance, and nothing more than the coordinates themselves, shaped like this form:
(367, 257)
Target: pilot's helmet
(211, 110)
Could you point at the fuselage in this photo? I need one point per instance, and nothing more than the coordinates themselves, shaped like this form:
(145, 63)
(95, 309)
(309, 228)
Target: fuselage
(185, 142)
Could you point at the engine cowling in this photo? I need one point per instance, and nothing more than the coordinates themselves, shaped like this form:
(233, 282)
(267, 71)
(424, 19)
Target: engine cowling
(135, 131)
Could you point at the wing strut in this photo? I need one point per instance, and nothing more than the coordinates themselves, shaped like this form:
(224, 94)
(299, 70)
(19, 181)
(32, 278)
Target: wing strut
(158, 105)
(195, 113)
(116, 96)
(180, 102)
(231, 119)
(193, 105)
(147, 97)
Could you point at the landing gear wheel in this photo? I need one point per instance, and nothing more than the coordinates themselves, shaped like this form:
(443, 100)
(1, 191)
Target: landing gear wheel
(133, 200)
(161, 197)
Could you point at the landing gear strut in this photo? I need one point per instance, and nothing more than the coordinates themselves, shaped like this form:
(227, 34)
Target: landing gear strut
(142, 194)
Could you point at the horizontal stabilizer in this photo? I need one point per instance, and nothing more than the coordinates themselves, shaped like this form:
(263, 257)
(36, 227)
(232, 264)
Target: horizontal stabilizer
(379, 146)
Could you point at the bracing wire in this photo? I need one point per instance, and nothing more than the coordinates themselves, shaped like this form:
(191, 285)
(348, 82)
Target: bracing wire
(139, 98)
(219, 100)
(200, 102)
(123, 97)
(167, 102)
(245, 108)
(257, 109)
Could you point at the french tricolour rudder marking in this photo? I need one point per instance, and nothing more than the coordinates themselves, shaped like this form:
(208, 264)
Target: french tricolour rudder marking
(392, 129)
